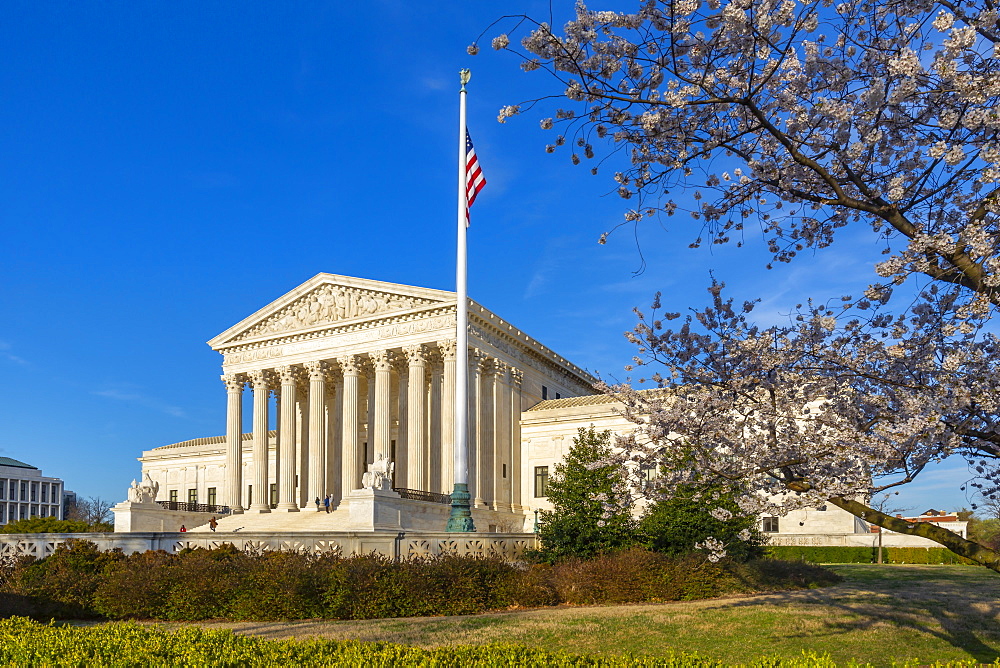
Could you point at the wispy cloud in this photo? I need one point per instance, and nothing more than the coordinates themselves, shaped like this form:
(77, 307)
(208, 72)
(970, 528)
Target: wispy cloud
(139, 399)
(5, 354)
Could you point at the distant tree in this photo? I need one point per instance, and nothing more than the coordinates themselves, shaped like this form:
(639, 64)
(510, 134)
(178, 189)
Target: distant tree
(684, 522)
(93, 510)
(581, 523)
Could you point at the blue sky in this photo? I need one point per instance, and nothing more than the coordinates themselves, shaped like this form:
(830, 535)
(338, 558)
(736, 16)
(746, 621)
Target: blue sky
(166, 169)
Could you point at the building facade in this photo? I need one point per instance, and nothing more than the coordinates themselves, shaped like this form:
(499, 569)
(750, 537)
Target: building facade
(25, 492)
(344, 372)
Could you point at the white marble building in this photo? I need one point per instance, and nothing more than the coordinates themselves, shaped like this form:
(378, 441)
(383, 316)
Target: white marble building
(342, 372)
(25, 492)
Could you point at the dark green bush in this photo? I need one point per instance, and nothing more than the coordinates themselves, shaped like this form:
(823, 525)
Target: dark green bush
(866, 555)
(78, 581)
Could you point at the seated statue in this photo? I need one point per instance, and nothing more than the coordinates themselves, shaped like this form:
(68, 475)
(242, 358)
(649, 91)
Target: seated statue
(379, 475)
(145, 491)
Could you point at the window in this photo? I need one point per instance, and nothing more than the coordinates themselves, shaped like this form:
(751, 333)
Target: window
(192, 496)
(541, 481)
(504, 470)
(770, 525)
(24, 491)
(211, 496)
(34, 492)
(173, 495)
(274, 494)
(45, 493)
(558, 396)
(3, 489)
(545, 393)
(249, 495)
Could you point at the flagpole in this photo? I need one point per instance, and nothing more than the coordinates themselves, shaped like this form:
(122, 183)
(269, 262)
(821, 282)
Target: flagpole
(460, 518)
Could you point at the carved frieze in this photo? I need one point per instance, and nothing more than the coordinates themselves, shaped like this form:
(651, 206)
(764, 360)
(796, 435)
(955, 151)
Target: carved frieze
(330, 304)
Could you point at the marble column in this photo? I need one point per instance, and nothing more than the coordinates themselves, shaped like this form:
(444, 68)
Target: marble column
(234, 441)
(334, 437)
(516, 378)
(382, 363)
(447, 431)
(416, 434)
(487, 436)
(349, 472)
(261, 383)
(502, 473)
(475, 466)
(316, 487)
(401, 406)
(285, 473)
(435, 447)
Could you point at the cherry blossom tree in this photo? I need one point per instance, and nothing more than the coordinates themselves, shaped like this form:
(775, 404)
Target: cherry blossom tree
(798, 118)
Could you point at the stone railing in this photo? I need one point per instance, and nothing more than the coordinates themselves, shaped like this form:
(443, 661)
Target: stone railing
(194, 507)
(420, 495)
(394, 544)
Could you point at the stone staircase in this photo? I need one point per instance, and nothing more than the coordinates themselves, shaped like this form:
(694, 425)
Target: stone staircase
(306, 520)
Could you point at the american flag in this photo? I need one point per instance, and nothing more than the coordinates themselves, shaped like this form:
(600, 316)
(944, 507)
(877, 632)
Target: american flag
(474, 179)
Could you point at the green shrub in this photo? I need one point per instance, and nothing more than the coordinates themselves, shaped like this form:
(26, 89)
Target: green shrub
(52, 525)
(866, 555)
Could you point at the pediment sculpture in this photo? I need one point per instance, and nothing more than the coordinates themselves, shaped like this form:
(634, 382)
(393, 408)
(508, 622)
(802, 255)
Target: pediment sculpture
(379, 475)
(328, 304)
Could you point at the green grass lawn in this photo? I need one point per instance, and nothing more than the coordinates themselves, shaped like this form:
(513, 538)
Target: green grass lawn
(878, 615)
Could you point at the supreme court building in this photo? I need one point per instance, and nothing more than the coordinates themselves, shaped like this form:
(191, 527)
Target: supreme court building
(342, 374)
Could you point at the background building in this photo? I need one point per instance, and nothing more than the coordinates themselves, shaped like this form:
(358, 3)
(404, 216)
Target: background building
(25, 492)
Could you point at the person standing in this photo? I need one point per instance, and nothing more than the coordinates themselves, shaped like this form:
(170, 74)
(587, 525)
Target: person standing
(317, 504)
(326, 502)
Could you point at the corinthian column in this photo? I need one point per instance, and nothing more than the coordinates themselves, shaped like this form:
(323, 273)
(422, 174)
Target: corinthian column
(350, 470)
(261, 383)
(502, 443)
(234, 441)
(516, 378)
(316, 488)
(285, 473)
(416, 434)
(475, 489)
(447, 408)
(382, 363)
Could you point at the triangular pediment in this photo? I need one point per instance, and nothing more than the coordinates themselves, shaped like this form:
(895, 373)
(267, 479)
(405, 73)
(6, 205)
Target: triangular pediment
(330, 300)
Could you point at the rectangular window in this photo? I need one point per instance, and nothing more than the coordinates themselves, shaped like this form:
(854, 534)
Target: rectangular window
(34, 511)
(770, 525)
(24, 491)
(3, 488)
(558, 396)
(504, 470)
(274, 495)
(364, 459)
(541, 481)
(173, 495)
(192, 496)
(211, 496)
(545, 393)
(45, 493)
(249, 495)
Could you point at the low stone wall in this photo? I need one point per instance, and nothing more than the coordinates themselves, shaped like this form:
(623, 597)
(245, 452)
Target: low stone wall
(394, 544)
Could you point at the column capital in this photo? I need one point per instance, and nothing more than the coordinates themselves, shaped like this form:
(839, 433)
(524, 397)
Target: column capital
(234, 381)
(516, 377)
(317, 370)
(447, 349)
(381, 360)
(261, 379)
(289, 374)
(417, 355)
(350, 364)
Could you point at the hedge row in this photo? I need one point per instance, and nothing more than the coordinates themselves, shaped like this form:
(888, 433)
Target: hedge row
(867, 555)
(27, 643)
(79, 581)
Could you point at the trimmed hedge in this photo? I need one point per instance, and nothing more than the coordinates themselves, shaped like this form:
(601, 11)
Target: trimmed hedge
(866, 555)
(79, 581)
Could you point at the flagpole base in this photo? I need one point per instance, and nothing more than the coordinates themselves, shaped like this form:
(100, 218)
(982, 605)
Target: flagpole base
(460, 519)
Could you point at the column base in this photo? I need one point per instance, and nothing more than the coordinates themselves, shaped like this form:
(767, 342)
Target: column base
(287, 508)
(460, 519)
(259, 509)
(235, 510)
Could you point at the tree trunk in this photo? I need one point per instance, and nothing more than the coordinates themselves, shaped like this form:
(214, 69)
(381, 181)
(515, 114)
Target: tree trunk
(952, 541)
